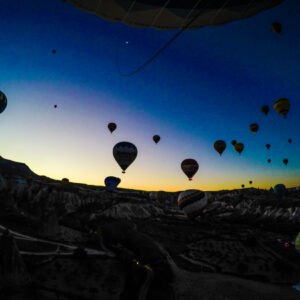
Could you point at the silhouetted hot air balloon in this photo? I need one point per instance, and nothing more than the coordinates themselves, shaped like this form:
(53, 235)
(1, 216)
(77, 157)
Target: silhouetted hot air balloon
(276, 27)
(3, 102)
(239, 147)
(233, 142)
(265, 109)
(111, 183)
(189, 167)
(285, 161)
(112, 127)
(282, 106)
(289, 140)
(192, 202)
(156, 138)
(220, 146)
(250, 181)
(242, 185)
(65, 181)
(269, 160)
(279, 190)
(125, 153)
(55, 106)
(254, 127)
(53, 51)
(268, 146)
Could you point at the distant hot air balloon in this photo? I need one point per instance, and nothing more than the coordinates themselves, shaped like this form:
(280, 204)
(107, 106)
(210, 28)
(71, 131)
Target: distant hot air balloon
(269, 160)
(53, 51)
(112, 127)
(55, 106)
(192, 202)
(242, 185)
(250, 181)
(282, 106)
(297, 242)
(189, 167)
(156, 138)
(125, 153)
(220, 146)
(268, 146)
(65, 181)
(153, 195)
(3, 102)
(254, 127)
(111, 183)
(279, 190)
(239, 147)
(289, 140)
(265, 109)
(276, 27)
(233, 142)
(285, 161)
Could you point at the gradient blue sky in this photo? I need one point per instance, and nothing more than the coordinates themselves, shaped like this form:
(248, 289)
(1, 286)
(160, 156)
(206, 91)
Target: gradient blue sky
(209, 84)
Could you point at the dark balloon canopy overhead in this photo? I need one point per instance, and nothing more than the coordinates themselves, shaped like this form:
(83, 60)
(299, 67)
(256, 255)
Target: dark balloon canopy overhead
(174, 14)
(265, 109)
(3, 102)
(156, 138)
(282, 106)
(285, 161)
(276, 27)
(111, 183)
(112, 127)
(189, 167)
(220, 146)
(254, 127)
(125, 153)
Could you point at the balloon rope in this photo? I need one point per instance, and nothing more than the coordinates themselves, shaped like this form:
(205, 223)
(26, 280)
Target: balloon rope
(159, 13)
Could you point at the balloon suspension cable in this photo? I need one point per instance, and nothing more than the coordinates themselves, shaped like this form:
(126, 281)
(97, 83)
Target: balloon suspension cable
(168, 43)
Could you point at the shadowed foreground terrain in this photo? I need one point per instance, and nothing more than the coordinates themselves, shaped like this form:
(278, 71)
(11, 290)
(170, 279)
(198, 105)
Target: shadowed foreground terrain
(74, 241)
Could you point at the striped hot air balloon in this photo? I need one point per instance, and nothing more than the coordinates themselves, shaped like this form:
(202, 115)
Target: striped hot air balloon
(192, 202)
(282, 106)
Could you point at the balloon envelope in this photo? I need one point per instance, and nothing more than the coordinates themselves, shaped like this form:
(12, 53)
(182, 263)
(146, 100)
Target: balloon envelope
(239, 147)
(285, 161)
(254, 127)
(125, 153)
(276, 27)
(282, 106)
(192, 202)
(190, 167)
(3, 102)
(268, 146)
(156, 138)
(233, 142)
(220, 146)
(279, 189)
(265, 109)
(111, 183)
(112, 127)
(174, 14)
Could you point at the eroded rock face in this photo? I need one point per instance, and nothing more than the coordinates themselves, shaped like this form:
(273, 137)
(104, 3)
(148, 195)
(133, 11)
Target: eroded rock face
(13, 273)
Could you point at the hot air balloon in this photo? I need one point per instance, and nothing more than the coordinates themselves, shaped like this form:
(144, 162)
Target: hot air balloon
(111, 183)
(233, 142)
(285, 161)
(239, 147)
(3, 102)
(53, 51)
(174, 14)
(269, 160)
(125, 153)
(189, 167)
(282, 106)
(254, 128)
(276, 27)
(297, 242)
(153, 195)
(156, 138)
(220, 146)
(250, 181)
(242, 185)
(55, 106)
(279, 190)
(65, 181)
(268, 146)
(112, 127)
(289, 140)
(192, 202)
(265, 109)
